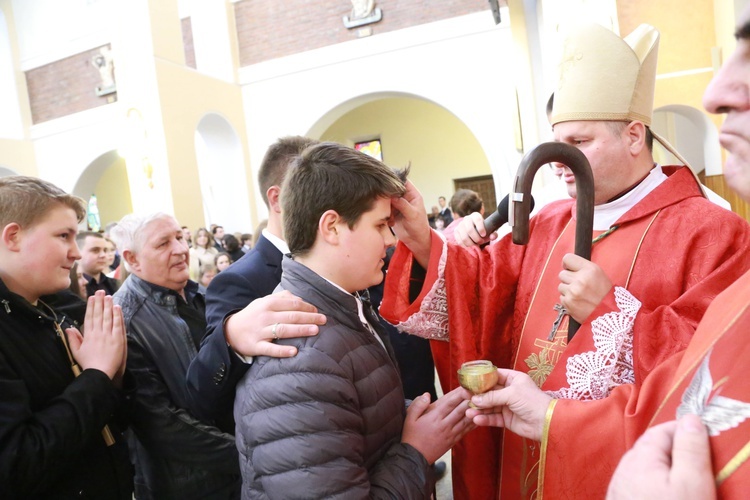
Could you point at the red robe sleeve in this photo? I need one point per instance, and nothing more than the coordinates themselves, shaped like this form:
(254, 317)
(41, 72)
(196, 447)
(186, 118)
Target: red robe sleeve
(584, 441)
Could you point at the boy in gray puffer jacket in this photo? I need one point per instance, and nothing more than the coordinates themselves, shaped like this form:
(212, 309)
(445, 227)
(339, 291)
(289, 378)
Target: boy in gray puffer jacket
(331, 421)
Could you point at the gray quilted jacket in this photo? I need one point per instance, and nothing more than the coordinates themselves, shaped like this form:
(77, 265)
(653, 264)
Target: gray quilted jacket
(327, 422)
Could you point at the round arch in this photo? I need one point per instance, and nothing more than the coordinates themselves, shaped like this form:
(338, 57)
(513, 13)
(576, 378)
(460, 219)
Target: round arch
(414, 130)
(106, 177)
(692, 133)
(221, 171)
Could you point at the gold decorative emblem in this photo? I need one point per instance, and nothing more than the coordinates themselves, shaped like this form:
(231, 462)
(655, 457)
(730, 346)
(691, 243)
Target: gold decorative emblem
(539, 366)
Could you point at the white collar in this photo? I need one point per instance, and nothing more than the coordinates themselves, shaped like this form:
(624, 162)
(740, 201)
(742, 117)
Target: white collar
(276, 241)
(607, 214)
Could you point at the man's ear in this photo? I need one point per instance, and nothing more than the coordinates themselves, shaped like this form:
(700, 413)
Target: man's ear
(636, 135)
(329, 225)
(274, 201)
(132, 260)
(11, 236)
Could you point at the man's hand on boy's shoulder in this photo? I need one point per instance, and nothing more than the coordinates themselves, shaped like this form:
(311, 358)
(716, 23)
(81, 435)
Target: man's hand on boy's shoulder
(251, 331)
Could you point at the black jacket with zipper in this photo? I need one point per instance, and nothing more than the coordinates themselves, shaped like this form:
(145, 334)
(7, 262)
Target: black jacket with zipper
(51, 443)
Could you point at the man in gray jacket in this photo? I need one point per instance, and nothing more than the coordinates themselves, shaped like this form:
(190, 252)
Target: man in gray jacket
(176, 455)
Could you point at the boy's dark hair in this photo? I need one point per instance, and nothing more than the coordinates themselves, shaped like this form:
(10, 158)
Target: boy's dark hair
(277, 159)
(465, 202)
(329, 176)
(216, 228)
(25, 200)
(81, 237)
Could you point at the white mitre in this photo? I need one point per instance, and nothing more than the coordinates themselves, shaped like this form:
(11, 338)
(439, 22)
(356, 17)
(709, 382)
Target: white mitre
(604, 77)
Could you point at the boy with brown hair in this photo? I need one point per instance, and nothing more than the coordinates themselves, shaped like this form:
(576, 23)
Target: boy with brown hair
(331, 421)
(54, 438)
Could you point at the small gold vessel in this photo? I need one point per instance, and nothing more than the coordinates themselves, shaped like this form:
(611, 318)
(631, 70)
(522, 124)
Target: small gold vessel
(478, 376)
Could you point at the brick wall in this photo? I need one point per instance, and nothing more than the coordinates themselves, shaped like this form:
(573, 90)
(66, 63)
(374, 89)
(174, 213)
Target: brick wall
(187, 42)
(64, 87)
(268, 29)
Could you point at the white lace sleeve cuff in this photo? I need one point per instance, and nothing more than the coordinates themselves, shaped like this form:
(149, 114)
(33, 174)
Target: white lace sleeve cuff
(592, 375)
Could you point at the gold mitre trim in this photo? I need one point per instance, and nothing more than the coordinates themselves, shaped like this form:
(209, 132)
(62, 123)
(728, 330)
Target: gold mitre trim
(604, 77)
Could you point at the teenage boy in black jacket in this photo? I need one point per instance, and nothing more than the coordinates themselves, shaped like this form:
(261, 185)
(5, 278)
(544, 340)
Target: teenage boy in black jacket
(56, 435)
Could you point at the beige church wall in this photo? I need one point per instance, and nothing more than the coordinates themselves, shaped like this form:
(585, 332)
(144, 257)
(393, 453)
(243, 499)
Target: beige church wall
(463, 65)
(185, 97)
(113, 193)
(437, 145)
(65, 147)
(18, 156)
(687, 36)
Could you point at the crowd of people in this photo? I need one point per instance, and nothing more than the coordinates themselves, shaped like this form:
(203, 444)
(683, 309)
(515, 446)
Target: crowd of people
(152, 362)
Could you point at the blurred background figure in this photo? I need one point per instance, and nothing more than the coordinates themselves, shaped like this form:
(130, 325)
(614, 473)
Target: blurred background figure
(232, 247)
(218, 233)
(433, 216)
(206, 275)
(222, 261)
(188, 236)
(77, 281)
(445, 211)
(247, 242)
(463, 203)
(94, 263)
(201, 253)
(113, 260)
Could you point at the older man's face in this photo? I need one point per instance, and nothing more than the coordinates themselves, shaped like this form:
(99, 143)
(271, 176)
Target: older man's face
(163, 257)
(729, 92)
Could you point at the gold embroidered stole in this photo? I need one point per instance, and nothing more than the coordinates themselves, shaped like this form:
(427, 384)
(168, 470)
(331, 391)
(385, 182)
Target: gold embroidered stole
(538, 356)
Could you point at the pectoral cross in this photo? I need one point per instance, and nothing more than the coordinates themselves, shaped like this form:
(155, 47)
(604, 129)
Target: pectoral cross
(561, 312)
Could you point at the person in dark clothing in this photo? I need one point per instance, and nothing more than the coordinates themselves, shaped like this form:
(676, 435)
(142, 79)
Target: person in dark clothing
(94, 263)
(445, 211)
(232, 247)
(239, 316)
(53, 442)
(176, 455)
(331, 421)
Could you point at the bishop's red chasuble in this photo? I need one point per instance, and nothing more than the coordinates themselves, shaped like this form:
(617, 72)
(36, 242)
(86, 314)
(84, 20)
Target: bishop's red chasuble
(584, 441)
(670, 255)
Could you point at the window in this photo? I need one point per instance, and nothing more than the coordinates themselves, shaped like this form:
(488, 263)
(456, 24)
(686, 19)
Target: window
(370, 148)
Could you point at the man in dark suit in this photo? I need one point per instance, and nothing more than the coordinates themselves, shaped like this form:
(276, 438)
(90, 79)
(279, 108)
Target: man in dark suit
(445, 211)
(239, 326)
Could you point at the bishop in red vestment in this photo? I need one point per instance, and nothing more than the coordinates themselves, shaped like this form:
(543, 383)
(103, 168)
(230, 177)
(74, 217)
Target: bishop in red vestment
(582, 441)
(662, 253)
